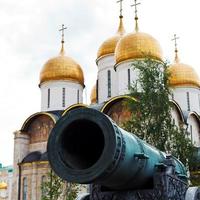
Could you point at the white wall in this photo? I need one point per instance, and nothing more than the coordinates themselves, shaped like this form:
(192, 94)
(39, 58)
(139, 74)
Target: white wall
(6, 177)
(180, 96)
(193, 126)
(21, 144)
(122, 74)
(56, 94)
(104, 64)
(3, 194)
(120, 87)
(10, 177)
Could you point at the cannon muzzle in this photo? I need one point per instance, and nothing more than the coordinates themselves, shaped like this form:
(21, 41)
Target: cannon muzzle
(86, 146)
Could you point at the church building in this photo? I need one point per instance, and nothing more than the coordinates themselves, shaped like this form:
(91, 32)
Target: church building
(62, 85)
(6, 174)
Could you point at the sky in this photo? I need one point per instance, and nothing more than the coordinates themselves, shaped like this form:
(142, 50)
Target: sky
(29, 36)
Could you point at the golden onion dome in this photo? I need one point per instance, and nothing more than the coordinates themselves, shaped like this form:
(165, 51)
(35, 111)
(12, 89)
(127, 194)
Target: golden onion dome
(137, 45)
(183, 75)
(108, 47)
(93, 96)
(3, 186)
(61, 67)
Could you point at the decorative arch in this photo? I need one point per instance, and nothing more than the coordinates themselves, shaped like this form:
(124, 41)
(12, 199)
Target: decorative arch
(38, 126)
(115, 100)
(116, 108)
(195, 115)
(34, 116)
(74, 106)
(194, 127)
(179, 111)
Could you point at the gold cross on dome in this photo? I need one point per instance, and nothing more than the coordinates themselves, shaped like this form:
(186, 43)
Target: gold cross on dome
(175, 41)
(176, 49)
(136, 17)
(135, 5)
(63, 32)
(121, 6)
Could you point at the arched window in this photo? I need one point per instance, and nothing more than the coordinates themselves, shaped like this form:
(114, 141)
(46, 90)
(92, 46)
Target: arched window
(191, 132)
(109, 83)
(43, 180)
(25, 189)
(188, 101)
(48, 98)
(97, 91)
(63, 97)
(78, 96)
(129, 79)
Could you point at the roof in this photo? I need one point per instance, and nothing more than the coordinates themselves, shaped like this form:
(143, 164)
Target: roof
(35, 156)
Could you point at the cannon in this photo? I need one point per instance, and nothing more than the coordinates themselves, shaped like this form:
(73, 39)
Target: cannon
(87, 147)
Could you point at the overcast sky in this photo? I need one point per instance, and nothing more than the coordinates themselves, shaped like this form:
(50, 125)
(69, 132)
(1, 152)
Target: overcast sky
(29, 36)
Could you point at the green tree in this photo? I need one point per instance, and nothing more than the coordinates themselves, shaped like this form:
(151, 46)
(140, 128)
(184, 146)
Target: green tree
(54, 188)
(151, 118)
(72, 190)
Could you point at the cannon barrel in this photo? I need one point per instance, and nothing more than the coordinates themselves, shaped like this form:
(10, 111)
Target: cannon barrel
(86, 146)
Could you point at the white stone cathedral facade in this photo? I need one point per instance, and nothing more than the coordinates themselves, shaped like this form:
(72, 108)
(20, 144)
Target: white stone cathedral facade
(62, 85)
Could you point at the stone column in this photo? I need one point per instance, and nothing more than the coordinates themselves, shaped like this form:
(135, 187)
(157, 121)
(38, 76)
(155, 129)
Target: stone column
(21, 144)
(34, 182)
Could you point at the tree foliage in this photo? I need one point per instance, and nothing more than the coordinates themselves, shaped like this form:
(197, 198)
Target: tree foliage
(151, 118)
(54, 188)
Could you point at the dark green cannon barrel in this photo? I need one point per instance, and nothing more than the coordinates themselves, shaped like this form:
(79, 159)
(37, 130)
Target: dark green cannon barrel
(86, 146)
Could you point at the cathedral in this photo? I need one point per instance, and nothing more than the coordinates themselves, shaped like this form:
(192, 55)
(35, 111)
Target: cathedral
(62, 84)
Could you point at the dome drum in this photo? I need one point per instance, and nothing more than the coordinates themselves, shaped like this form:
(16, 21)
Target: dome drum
(59, 77)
